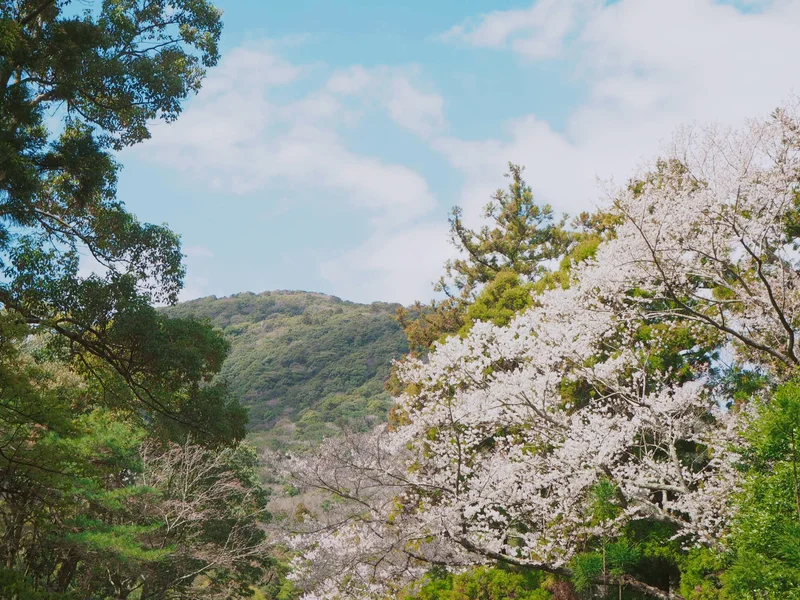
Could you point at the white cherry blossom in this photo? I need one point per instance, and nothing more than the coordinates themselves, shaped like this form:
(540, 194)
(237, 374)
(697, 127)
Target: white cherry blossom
(493, 459)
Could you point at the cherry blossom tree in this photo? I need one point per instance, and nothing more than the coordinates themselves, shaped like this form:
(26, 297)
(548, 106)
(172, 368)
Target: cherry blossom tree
(504, 436)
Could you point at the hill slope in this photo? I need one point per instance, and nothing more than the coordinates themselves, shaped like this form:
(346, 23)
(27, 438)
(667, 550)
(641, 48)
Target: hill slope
(302, 360)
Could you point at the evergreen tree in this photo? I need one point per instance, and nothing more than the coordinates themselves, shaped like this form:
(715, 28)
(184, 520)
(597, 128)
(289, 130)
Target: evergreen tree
(105, 70)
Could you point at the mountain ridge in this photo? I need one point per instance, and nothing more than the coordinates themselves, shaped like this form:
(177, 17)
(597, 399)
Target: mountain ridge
(303, 362)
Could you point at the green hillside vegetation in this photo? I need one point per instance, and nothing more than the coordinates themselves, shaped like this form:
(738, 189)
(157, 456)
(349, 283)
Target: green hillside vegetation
(304, 362)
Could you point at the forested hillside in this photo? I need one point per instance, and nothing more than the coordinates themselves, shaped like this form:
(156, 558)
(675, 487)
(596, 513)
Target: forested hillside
(301, 361)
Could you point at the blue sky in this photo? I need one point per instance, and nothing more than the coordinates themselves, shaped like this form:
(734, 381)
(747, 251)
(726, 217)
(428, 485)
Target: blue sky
(327, 147)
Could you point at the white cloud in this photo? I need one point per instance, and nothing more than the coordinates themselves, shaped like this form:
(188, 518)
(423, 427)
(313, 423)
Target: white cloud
(350, 81)
(235, 136)
(242, 135)
(537, 32)
(416, 111)
(397, 265)
(649, 66)
(194, 286)
(396, 90)
(258, 64)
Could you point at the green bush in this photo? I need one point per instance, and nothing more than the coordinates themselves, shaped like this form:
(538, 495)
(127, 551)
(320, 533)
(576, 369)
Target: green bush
(484, 583)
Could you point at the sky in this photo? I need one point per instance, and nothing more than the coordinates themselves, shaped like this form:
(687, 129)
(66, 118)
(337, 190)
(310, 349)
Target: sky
(328, 146)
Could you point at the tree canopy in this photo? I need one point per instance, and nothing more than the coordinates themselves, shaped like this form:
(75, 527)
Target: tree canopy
(606, 429)
(105, 71)
(121, 475)
(521, 247)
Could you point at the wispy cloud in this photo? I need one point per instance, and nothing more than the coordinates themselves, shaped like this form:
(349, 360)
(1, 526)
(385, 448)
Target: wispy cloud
(395, 90)
(649, 66)
(242, 136)
(537, 32)
(398, 265)
(194, 287)
(236, 136)
(645, 67)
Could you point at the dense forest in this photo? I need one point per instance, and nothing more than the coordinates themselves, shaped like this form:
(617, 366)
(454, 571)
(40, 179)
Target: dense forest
(601, 406)
(303, 363)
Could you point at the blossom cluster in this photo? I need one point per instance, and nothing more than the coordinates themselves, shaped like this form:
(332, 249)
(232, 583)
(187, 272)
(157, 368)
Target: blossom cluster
(504, 433)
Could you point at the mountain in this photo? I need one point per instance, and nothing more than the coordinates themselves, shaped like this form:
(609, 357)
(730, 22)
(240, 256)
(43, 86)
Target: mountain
(303, 362)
